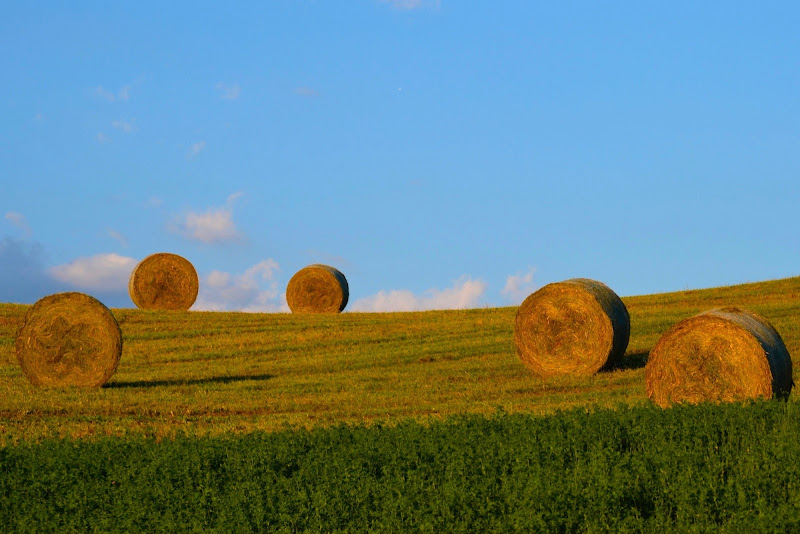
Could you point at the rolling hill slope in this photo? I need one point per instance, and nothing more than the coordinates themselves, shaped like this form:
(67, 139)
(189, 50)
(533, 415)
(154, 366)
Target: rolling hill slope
(203, 373)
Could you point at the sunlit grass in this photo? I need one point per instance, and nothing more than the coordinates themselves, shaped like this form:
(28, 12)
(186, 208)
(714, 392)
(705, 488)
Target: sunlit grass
(209, 373)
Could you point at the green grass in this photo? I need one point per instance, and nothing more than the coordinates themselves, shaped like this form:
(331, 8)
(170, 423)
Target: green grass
(216, 373)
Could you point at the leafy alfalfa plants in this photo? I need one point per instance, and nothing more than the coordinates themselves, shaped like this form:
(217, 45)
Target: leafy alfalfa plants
(69, 339)
(163, 281)
(575, 327)
(317, 289)
(721, 355)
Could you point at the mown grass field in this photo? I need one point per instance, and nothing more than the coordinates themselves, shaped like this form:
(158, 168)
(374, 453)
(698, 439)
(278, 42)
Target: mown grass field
(201, 373)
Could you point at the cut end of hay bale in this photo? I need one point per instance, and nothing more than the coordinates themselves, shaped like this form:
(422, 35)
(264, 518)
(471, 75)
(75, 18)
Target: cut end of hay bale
(576, 327)
(721, 355)
(69, 339)
(163, 281)
(317, 289)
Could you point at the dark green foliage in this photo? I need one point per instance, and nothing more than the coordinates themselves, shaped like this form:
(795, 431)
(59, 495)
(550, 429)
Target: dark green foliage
(728, 468)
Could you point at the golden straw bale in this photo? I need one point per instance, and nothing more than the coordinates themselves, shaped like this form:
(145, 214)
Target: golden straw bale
(163, 281)
(317, 289)
(721, 355)
(69, 339)
(575, 327)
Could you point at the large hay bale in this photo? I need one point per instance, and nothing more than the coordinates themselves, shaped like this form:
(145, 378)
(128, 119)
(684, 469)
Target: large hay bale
(69, 339)
(721, 355)
(575, 327)
(317, 289)
(163, 281)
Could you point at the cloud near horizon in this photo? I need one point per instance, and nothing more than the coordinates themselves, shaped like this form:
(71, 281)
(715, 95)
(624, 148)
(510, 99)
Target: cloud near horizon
(254, 290)
(22, 274)
(107, 272)
(519, 286)
(465, 293)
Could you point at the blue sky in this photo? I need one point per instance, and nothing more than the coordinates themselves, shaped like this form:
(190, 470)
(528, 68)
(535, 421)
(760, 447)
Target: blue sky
(441, 154)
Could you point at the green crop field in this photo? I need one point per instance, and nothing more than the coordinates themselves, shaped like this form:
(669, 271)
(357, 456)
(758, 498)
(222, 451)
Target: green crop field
(198, 373)
(403, 422)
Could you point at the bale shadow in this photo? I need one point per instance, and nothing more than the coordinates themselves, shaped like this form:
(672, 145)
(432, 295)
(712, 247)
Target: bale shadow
(634, 360)
(186, 382)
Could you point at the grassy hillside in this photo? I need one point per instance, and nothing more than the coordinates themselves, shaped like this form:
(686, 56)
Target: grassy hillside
(211, 373)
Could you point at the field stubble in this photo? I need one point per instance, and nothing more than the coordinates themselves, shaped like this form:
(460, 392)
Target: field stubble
(209, 373)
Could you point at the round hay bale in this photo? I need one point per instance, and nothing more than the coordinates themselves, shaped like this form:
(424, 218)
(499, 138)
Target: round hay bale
(163, 281)
(317, 289)
(575, 327)
(721, 355)
(69, 339)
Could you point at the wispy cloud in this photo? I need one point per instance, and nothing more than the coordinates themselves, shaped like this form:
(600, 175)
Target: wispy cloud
(101, 272)
(125, 126)
(229, 91)
(306, 91)
(118, 236)
(254, 290)
(518, 286)
(19, 220)
(123, 95)
(215, 225)
(465, 293)
(102, 138)
(196, 148)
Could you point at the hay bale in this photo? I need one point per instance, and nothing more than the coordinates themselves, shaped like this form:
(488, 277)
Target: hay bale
(721, 355)
(163, 281)
(69, 339)
(317, 289)
(575, 327)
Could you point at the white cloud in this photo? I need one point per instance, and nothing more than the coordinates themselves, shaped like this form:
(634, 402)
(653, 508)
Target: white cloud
(125, 126)
(465, 293)
(101, 272)
(518, 286)
(18, 220)
(102, 139)
(196, 148)
(254, 290)
(306, 91)
(229, 92)
(124, 93)
(214, 226)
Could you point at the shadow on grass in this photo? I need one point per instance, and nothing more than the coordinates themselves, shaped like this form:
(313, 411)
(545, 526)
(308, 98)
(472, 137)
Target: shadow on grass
(634, 360)
(186, 382)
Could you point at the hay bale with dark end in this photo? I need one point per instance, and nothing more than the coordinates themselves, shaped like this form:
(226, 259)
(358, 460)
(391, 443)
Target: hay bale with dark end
(722, 355)
(317, 289)
(575, 327)
(163, 281)
(69, 339)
